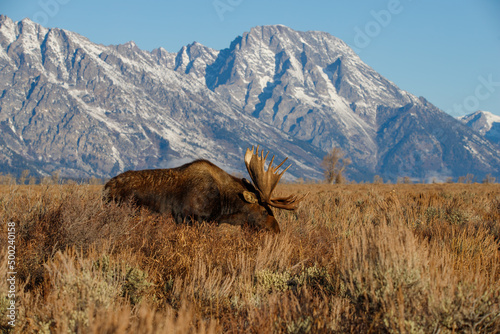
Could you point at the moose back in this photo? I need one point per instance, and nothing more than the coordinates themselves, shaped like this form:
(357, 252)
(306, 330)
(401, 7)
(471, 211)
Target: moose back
(201, 191)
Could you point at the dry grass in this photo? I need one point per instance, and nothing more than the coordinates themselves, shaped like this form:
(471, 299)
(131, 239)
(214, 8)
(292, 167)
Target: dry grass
(353, 258)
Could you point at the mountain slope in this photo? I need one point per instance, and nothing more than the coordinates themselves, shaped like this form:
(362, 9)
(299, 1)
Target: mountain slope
(484, 122)
(422, 140)
(97, 110)
(87, 109)
(312, 86)
(302, 83)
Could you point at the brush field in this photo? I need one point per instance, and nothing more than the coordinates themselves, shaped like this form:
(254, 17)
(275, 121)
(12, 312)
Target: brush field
(352, 259)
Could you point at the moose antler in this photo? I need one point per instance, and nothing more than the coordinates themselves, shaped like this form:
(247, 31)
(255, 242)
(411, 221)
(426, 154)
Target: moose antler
(266, 181)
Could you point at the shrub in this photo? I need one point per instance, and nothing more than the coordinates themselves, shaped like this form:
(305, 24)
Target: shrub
(353, 258)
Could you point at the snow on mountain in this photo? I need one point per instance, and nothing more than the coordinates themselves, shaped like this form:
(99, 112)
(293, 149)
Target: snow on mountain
(89, 109)
(86, 109)
(484, 122)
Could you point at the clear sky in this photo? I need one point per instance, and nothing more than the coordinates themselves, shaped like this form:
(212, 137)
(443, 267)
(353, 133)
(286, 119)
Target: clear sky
(445, 50)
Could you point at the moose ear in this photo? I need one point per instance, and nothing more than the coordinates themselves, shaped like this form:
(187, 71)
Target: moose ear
(250, 197)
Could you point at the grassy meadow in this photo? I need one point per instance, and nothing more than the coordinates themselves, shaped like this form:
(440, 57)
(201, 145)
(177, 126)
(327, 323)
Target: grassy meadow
(352, 259)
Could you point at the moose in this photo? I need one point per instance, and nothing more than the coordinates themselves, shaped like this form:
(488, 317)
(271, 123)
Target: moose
(201, 191)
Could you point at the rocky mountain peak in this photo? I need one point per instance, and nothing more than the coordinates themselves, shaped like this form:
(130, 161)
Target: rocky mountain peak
(193, 59)
(86, 109)
(485, 123)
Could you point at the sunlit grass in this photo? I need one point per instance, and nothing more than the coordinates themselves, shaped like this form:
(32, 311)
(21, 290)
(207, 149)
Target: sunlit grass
(352, 258)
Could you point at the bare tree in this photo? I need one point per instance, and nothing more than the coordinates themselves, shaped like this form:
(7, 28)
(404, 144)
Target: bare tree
(55, 177)
(24, 176)
(469, 178)
(334, 164)
(489, 179)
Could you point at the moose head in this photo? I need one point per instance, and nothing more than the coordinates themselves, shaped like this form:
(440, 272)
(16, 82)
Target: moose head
(264, 183)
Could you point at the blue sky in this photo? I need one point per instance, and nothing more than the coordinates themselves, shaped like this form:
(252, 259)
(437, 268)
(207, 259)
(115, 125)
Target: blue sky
(445, 50)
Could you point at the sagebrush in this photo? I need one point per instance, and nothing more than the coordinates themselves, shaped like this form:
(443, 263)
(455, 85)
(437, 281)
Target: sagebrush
(353, 258)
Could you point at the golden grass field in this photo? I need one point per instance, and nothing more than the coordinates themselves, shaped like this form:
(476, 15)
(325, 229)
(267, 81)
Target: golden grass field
(352, 259)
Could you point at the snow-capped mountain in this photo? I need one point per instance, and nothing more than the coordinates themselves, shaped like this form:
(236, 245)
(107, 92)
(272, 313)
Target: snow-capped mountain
(484, 122)
(87, 109)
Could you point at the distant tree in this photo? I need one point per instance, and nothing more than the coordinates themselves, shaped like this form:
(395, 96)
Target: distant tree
(404, 180)
(334, 164)
(489, 179)
(449, 180)
(7, 179)
(55, 177)
(24, 176)
(469, 178)
(45, 180)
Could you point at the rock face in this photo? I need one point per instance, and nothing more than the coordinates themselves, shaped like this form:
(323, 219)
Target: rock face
(484, 122)
(85, 109)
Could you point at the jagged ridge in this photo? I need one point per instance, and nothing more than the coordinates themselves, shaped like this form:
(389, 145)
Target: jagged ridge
(90, 109)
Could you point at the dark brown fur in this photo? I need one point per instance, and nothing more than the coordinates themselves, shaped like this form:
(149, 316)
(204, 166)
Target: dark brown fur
(197, 191)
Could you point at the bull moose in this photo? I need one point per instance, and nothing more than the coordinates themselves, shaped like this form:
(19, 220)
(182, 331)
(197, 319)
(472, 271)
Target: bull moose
(201, 191)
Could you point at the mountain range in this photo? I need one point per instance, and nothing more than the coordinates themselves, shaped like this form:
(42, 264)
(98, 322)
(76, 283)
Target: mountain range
(87, 109)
